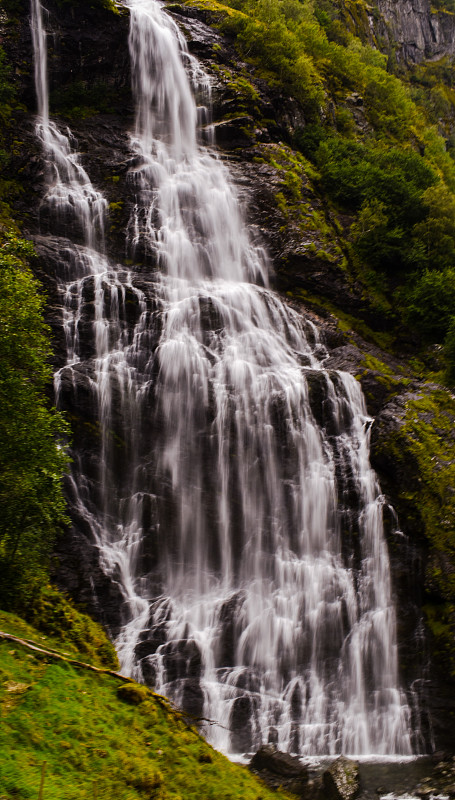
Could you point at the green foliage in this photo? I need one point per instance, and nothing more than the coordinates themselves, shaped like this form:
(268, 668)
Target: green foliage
(353, 172)
(75, 720)
(32, 452)
(436, 231)
(52, 614)
(391, 191)
(430, 302)
(374, 137)
(80, 99)
(7, 90)
(440, 619)
(389, 107)
(309, 54)
(449, 352)
(267, 32)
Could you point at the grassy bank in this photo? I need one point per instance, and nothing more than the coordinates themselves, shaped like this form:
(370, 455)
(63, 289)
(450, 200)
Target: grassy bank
(100, 737)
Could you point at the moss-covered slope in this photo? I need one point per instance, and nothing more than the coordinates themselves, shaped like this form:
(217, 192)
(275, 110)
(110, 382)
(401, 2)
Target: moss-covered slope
(100, 736)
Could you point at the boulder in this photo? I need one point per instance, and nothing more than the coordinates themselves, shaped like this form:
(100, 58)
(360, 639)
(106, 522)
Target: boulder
(280, 769)
(341, 780)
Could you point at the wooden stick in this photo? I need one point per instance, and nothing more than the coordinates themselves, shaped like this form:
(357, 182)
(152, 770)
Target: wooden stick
(41, 788)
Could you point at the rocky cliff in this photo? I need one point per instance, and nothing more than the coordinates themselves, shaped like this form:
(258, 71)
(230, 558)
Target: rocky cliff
(255, 128)
(411, 31)
(416, 30)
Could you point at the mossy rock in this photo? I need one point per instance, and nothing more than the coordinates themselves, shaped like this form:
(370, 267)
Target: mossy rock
(133, 693)
(413, 447)
(53, 614)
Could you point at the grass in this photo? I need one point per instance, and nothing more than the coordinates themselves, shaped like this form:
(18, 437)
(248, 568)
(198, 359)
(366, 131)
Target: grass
(100, 738)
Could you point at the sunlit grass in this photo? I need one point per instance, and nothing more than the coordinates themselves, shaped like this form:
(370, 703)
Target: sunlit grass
(95, 742)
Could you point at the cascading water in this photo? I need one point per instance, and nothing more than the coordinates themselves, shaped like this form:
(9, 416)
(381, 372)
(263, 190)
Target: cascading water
(232, 498)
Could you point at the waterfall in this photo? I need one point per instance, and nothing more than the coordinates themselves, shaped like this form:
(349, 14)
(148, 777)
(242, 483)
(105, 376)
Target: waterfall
(228, 491)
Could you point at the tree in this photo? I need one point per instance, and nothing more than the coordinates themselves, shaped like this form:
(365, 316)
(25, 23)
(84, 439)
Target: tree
(437, 230)
(32, 435)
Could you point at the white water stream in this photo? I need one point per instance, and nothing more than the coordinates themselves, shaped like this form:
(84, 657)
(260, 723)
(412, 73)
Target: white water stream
(244, 522)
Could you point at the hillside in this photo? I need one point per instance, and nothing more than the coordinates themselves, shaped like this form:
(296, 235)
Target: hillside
(99, 736)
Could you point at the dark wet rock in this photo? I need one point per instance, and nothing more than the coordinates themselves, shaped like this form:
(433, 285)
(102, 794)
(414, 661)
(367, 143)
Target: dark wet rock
(234, 133)
(406, 451)
(278, 763)
(226, 656)
(181, 659)
(278, 769)
(241, 724)
(441, 781)
(341, 780)
(148, 671)
(77, 571)
(146, 648)
(193, 698)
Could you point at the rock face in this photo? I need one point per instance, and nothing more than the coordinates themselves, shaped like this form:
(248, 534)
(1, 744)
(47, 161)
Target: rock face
(419, 32)
(413, 450)
(341, 780)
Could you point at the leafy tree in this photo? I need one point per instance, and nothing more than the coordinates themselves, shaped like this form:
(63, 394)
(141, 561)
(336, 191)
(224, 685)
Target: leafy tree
(437, 230)
(32, 450)
(388, 105)
(430, 301)
(375, 241)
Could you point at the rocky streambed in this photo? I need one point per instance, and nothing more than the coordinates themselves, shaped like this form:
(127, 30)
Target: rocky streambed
(346, 779)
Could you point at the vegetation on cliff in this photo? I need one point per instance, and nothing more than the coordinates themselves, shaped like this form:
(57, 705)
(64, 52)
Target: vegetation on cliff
(378, 147)
(32, 449)
(417, 451)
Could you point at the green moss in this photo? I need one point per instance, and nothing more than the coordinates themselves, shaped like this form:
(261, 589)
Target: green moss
(220, 10)
(96, 744)
(133, 693)
(238, 93)
(383, 375)
(54, 615)
(296, 199)
(346, 322)
(356, 18)
(431, 440)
